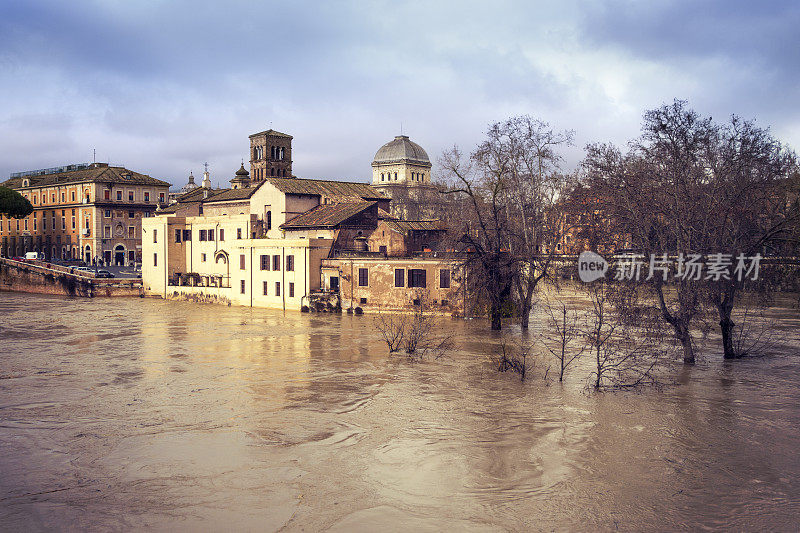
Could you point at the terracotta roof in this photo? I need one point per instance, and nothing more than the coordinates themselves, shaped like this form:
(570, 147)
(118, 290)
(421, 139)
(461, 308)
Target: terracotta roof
(385, 215)
(272, 132)
(404, 226)
(331, 189)
(101, 174)
(233, 195)
(327, 215)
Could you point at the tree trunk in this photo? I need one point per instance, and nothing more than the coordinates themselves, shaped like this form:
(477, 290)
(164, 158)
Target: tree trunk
(527, 300)
(727, 325)
(496, 317)
(686, 341)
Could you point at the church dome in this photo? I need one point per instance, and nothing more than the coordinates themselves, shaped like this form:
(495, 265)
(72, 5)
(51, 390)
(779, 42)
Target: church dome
(189, 186)
(401, 150)
(242, 171)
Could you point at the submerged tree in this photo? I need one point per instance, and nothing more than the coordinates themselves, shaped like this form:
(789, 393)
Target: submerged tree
(692, 189)
(510, 186)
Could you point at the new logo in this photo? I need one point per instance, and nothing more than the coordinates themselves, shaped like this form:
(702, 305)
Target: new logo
(591, 267)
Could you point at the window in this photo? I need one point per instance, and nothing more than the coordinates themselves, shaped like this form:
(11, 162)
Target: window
(241, 286)
(266, 284)
(416, 278)
(107, 213)
(362, 301)
(277, 288)
(107, 194)
(177, 235)
(238, 233)
(363, 277)
(131, 256)
(187, 235)
(203, 235)
(291, 290)
(289, 263)
(155, 260)
(131, 232)
(119, 196)
(130, 196)
(155, 235)
(242, 262)
(62, 197)
(131, 214)
(269, 220)
(399, 277)
(73, 196)
(264, 263)
(106, 232)
(221, 234)
(146, 196)
(211, 235)
(73, 223)
(276, 263)
(203, 258)
(444, 278)
(161, 197)
(395, 176)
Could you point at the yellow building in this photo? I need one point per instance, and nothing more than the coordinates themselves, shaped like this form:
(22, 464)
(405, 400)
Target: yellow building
(88, 211)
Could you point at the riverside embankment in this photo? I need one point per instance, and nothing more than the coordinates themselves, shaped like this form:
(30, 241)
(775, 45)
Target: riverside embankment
(46, 278)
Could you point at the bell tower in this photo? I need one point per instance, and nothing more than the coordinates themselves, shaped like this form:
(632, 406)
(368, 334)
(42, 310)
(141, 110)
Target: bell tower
(270, 155)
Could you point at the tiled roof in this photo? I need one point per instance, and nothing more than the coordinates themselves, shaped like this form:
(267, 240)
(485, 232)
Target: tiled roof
(385, 215)
(404, 226)
(327, 215)
(331, 189)
(101, 174)
(233, 195)
(272, 132)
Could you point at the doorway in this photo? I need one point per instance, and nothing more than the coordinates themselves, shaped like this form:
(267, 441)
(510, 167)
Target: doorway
(119, 255)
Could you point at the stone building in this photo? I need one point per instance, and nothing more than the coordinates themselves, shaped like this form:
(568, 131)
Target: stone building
(86, 211)
(285, 242)
(401, 170)
(270, 155)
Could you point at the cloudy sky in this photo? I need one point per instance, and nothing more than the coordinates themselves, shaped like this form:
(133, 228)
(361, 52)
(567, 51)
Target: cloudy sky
(164, 86)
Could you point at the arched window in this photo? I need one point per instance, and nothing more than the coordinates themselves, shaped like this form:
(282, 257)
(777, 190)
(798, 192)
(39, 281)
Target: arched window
(272, 172)
(395, 176)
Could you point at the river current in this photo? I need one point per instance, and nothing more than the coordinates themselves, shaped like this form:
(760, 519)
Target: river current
(143, 414)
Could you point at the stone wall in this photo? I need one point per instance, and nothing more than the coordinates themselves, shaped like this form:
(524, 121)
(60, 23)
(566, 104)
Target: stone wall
(25, 277)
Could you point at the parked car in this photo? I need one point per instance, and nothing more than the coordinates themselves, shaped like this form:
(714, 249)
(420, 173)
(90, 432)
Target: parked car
(104, 274)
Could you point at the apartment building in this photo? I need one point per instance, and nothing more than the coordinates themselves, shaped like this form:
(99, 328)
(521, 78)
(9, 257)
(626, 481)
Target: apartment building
(87, 211)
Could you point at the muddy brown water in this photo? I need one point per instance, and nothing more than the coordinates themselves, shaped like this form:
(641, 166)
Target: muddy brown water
(140, 414)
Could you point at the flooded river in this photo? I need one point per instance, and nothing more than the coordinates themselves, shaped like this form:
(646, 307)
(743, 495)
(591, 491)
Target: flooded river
(140, 414)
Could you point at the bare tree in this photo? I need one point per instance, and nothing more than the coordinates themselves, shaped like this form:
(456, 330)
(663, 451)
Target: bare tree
(692, 188)
(417, 333)
(568, 328)
(535, 188)
(514, 358)
(481, 225)
(626, 348)
(510, 186)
